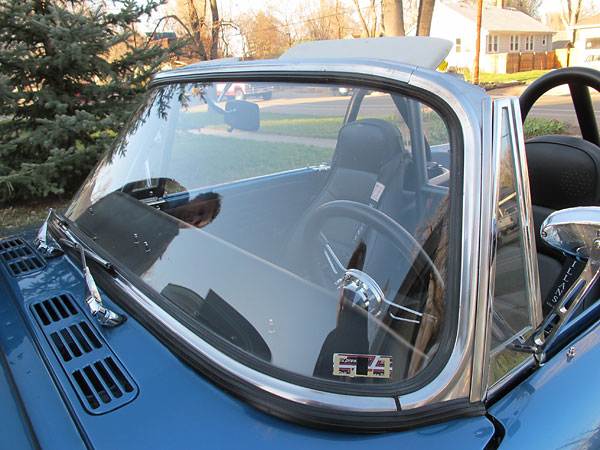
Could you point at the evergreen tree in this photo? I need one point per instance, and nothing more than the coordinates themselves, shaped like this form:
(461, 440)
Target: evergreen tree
(70, 75)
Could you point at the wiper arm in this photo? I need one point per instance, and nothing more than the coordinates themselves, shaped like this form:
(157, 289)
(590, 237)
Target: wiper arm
(88, 254)
(42, 239)
(105, 316)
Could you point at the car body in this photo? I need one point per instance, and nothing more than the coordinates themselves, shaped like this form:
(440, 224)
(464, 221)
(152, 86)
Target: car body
(314, 271)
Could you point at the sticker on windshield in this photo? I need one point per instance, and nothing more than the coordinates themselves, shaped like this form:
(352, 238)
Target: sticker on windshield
(370, 366)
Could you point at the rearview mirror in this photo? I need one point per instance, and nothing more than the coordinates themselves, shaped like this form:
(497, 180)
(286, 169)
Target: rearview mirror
(242, 115)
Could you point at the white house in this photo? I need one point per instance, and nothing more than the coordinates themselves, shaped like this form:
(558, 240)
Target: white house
(503, 31)
(587, 37)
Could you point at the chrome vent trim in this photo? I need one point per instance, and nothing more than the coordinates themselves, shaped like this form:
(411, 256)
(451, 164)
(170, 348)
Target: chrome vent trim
(19, 258)
(98, 377)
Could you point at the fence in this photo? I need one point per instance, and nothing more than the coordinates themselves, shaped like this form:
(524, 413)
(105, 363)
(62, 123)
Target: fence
(519, 62)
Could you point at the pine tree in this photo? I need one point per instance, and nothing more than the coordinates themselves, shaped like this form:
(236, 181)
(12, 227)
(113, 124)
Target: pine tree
(70, 75)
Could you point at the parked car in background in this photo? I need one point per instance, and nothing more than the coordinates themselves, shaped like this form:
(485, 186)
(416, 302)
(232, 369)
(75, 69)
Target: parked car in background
(396, 270)
(240, 91)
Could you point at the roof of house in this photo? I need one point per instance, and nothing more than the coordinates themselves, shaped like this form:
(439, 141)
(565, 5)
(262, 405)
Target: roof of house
(589, 22)
(500, 19)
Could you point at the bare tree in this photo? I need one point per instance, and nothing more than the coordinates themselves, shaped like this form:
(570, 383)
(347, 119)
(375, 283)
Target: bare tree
(202, 29)
(324, 19)
(570, 14)
(393, 17)
(263, 35)
(368, 24)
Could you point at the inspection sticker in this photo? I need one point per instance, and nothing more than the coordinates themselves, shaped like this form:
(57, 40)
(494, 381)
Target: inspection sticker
(370, 366)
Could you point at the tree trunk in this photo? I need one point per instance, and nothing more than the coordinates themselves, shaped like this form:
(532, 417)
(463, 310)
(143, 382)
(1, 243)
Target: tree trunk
(425, 16)
(196, 26)
(393, 18)
(216, 30)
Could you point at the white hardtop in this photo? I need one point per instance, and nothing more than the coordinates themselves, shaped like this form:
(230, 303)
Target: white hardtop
(417, 50)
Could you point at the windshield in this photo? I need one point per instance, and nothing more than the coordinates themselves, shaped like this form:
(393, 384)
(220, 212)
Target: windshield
(302, 227)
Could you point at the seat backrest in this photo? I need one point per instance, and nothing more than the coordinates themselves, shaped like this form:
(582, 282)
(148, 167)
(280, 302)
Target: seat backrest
(564, 172)
(364, 149)
(368, 152)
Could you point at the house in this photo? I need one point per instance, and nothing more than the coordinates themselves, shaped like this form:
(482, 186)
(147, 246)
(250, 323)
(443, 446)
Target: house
(504, 31)
(587, 37)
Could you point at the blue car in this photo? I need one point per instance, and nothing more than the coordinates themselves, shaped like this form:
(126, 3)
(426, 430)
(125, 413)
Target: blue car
(394, 268)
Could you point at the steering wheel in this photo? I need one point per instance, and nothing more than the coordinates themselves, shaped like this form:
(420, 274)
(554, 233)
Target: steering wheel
(375, 220)
(578, 79)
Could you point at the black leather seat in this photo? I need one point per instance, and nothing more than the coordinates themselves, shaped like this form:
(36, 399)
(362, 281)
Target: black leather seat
(368, 151)
(564, 172)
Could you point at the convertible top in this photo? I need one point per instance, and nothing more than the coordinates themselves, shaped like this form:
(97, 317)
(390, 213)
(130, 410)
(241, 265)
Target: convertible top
(418, 50)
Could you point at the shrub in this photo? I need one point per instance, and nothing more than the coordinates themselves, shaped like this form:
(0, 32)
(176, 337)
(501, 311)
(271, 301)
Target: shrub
(70, 75)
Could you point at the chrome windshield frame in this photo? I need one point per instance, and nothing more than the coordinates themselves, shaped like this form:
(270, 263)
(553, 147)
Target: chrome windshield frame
(456, 379)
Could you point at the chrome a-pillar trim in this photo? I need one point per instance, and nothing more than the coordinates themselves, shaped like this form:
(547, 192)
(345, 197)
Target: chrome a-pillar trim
(454, 380)
(275, 386)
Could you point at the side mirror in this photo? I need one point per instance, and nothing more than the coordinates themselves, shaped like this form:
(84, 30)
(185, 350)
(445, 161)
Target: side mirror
(574, 231)
(242, 115)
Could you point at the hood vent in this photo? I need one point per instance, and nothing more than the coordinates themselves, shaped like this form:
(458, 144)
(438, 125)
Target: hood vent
(19, 258)
(98, 377)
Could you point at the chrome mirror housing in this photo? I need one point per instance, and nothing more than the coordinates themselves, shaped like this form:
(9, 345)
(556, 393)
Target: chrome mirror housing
(573, 231)
(576, 232)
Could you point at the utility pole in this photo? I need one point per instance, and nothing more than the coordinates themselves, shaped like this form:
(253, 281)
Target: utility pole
(475, 79)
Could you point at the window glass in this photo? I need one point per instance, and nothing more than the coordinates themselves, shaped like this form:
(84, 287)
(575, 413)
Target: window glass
(458, 45)
(224, 199)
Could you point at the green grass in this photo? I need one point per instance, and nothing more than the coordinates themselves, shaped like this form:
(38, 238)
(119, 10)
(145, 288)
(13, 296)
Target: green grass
(507, 77)
(539, 127)
(214, 159)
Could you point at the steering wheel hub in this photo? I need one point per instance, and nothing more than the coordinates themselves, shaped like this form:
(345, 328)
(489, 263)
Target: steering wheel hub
(367, 293)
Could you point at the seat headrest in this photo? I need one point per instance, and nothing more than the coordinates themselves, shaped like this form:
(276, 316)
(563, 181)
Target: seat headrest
(367, 145)
(564, 172)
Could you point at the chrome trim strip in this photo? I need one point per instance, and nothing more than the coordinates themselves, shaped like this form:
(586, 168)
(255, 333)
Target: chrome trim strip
(488, 183)
(275, 386)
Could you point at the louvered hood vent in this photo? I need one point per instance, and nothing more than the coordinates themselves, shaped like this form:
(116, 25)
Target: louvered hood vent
(100, 380)
(19, 258)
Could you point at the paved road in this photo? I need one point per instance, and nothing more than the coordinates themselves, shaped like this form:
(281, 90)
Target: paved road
(556, 104)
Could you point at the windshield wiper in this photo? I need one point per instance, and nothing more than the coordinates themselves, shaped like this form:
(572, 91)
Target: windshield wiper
(105, 316)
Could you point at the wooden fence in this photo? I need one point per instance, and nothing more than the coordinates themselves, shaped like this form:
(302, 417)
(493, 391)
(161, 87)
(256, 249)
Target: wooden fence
(520, 62)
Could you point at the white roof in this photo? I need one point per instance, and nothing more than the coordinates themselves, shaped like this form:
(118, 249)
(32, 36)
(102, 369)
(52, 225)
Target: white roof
(500, 19)
(422, 51)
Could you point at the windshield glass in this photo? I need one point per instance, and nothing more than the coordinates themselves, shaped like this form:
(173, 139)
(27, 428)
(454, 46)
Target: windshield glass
(305, 225)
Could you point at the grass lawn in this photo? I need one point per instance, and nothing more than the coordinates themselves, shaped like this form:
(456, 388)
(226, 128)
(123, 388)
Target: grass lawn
(526, 77)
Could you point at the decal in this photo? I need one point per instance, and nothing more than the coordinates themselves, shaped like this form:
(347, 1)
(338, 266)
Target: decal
(377, 191)
(370, 366)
